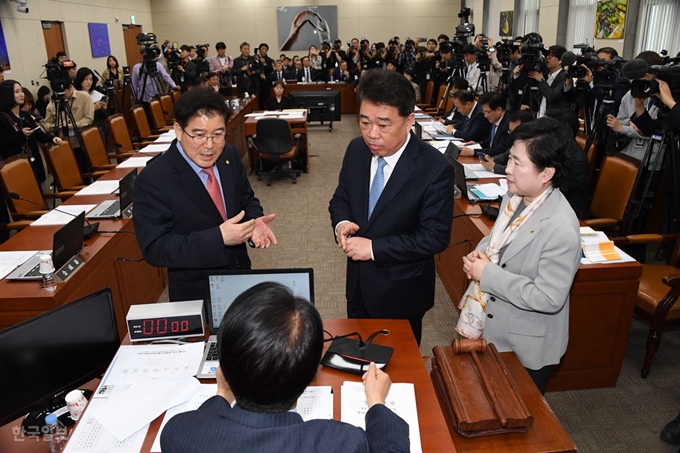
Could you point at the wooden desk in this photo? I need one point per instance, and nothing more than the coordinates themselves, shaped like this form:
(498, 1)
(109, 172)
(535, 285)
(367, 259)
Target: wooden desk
(546, 434)
(602, 300)
(297, 126)
(235, 134)
(348, 98)
(105, 264)
(406, 365)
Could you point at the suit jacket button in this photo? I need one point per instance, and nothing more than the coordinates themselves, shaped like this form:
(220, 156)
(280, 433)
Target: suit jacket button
(489, 316)
(503, 265)
(493, 299)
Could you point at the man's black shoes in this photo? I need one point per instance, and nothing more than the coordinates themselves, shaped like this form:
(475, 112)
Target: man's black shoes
(671, 432)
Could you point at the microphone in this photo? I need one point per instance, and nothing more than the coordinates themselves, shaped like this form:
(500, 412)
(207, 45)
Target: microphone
(568, 58)
(635, 69)
(88, 231)
(98, 75)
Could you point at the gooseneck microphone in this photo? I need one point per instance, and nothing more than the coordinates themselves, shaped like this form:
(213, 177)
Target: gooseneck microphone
(88, 231)
(635, 69)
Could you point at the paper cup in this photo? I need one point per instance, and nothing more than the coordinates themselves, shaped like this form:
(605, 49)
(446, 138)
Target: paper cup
(76, 402)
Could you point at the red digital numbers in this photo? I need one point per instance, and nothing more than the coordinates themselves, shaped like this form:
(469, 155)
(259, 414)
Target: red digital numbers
(152, 327)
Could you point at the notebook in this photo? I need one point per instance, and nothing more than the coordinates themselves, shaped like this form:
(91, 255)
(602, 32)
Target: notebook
(67, 242)
(111, 209)
(225, 286)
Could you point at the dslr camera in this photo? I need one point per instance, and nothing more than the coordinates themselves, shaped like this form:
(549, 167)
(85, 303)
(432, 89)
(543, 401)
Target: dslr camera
(57, 74)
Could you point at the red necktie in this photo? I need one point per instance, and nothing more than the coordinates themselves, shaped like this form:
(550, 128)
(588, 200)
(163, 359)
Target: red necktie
(215, 191)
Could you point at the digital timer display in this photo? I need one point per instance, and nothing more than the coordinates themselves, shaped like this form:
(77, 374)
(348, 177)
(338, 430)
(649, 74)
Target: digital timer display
(165, 327)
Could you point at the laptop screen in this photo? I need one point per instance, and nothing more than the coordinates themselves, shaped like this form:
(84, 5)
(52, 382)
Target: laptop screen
(226, 286)
(68, 241)
(125, 189)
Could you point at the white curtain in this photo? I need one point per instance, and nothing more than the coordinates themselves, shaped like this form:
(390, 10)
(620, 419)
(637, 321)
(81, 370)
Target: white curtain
(658, 26)
(581, 23)
(527, 21)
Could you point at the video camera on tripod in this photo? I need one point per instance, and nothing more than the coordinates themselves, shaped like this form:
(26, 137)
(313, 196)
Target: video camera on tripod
(533, 53)
(57, 74)
(201, 61)
(150, 51)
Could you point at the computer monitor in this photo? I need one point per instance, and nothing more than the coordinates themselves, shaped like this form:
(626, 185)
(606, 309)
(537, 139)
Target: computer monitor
(45, 357)
(225, 286)
(320, 105)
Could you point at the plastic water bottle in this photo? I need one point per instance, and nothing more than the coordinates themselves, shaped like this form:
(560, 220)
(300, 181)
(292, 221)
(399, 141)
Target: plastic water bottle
(56, 434)
(47, 272)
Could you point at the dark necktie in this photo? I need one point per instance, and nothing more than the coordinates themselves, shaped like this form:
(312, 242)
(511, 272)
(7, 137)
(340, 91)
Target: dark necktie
(278, 75)
(493, 134)
(308, 78)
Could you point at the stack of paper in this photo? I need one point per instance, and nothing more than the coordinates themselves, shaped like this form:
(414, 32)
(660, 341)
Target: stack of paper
(100, 187)
(401, 400)
(155, 148)
(134, 162)
(597, 247)
(63, 214)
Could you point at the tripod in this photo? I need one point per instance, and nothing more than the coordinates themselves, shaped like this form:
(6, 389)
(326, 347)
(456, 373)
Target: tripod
(63, 118)
(483, 82)
(601, 130)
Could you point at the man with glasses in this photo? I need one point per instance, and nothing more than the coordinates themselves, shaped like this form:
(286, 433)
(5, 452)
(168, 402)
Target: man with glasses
(551, 84)
(194, 207)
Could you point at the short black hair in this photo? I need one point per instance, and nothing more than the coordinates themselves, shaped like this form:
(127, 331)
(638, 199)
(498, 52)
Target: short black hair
(568, 116)
(651, 57)
(556, 50)
(459, 83)
(185, 48)
(43, 91)
(7, 101)
(81, 75)
(445, 48)
(469, 50)
(210, 75)
(61, 53)
(264, 44)
(610, 50)
(464, 96)
(387, 88)
(442, 36)
(432, 40)
(220, 45)
(523, 116)
(244, 43)
(493, 100)
(269, 347)
(548, 142)
(200, 102)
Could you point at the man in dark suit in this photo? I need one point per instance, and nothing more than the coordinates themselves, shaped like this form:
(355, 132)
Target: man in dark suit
(473, 127)
(309, 74)
(493, 106)
(392, 209)
(342, 74)
(296, 73)
(270, 345)
(551, 84)
(277, 74)
(194, 207)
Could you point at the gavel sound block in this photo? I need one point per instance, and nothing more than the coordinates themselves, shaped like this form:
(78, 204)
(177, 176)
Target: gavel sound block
(480, 396)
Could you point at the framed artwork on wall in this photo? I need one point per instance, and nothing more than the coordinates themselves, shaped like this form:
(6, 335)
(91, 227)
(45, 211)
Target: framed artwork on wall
(505, 26)
(99, 40)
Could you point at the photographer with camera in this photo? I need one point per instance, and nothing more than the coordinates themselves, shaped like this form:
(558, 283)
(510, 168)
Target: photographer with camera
(144, 78)
(407, 57)
(222, 64)
(267, 65)
(551, 85)
(334, 55)
(247, 70)
(353, 56)
(202, 64)
(666, 97)
(425, 62)
(442, 67)
(186, 71)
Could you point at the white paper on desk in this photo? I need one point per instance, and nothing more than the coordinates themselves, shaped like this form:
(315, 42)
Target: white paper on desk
(99, 188)
(316, 403)
(55, 217)
(491, 190)
(204, 392)
(401, 400)
(154, 148)
(11, 260)
(126, 413)
(254, 115)
(481, 172)
(166, 137)
(135, 162)
(135, 364)
(475, 146)
(90, 436)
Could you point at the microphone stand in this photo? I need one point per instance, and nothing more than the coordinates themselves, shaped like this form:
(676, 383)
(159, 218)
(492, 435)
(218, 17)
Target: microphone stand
(88, 231)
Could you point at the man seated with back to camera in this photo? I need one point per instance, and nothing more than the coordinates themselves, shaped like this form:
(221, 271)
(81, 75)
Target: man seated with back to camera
(493, 106)
(475, 127)
(270, 344)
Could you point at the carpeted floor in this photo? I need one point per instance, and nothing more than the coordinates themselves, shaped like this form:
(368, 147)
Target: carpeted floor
(626, 418)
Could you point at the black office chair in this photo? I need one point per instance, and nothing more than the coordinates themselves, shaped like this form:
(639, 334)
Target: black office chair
(274, 144)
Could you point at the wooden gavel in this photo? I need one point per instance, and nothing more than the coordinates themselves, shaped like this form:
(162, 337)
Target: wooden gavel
(472, 347)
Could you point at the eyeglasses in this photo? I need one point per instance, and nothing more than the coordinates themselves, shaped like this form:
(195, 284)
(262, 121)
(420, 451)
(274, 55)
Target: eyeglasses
(199, 139)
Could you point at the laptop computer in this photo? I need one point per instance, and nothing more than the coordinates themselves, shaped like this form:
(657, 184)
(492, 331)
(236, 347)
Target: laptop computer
(225, 286)
(418, 129)
(469, 191)
(67, 243)
(111, 209)
(452, 152)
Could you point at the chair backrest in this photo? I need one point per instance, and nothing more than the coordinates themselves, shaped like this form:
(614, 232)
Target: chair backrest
(581, 139)
(429, 91)
(94, 146)
(168, 107)
(119, 131)
(141, 122)
(442, 92)
(273, 136)
(614, 186)
(64, 166)
(17, 176)
(175, 95)
(157, 115)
